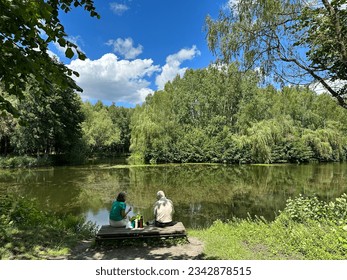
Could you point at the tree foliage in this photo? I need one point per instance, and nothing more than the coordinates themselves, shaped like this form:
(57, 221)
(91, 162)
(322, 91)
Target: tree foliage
(222, 115)
(290, 41)
(121, 116)
(106, 129)
(48, 123)
(99, 131)
(26, 30)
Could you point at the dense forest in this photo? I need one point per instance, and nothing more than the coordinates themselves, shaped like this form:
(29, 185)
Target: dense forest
(223, 115)
(218, 114)
(56, 127)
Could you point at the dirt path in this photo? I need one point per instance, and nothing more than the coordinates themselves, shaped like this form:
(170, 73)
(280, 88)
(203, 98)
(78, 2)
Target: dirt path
(188, 251)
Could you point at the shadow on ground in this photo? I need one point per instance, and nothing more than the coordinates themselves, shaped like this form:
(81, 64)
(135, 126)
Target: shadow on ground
(192, 250)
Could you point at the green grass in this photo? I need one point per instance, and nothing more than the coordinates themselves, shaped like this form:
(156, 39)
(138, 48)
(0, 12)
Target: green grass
(249, 240)
(294, 235)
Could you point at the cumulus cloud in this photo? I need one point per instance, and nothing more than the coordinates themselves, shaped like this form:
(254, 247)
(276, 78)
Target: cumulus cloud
(172, 68)
(111, 79)
(125, 47)
(118, 8)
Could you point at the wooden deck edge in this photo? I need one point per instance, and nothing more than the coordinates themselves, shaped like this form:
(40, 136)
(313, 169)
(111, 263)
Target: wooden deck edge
(140, 236)
(109, 233)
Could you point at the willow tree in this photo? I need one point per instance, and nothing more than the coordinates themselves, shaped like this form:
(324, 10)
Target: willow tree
(295, 41)
(99, 132)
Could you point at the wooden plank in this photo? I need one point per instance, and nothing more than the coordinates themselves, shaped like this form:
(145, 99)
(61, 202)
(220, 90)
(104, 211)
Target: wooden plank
(112, 237)
(108, 232)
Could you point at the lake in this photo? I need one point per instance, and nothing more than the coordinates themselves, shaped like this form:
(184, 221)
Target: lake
(202, 193)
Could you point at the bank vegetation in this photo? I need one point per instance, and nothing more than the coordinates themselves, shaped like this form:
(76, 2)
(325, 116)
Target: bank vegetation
(307, 229)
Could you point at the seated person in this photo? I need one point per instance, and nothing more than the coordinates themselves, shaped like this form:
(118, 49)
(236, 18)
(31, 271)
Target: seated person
(163, 211)
(117, 213)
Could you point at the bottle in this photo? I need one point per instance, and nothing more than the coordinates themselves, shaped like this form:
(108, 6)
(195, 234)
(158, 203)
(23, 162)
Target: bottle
(141, 222)
(136, 223)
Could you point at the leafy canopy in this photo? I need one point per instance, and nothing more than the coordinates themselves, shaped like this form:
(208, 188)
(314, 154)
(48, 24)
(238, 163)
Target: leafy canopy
(26, 29)
(222, 115)
(296, 41)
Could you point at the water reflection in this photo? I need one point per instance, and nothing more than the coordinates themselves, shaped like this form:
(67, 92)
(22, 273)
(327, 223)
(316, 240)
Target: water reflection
(201, 193)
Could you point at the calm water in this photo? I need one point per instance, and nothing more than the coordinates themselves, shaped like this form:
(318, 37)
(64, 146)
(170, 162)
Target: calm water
(201, 193)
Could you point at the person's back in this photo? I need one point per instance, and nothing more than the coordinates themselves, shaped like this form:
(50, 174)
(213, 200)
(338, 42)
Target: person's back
(117, 215)
(163, 210)
(117, 207)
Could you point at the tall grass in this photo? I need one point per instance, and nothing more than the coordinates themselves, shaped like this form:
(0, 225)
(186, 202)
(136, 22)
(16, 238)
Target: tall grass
(307, 229)
(26, 232)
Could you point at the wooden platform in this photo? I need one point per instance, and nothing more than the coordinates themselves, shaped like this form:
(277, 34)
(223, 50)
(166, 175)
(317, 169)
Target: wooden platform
(107, 232)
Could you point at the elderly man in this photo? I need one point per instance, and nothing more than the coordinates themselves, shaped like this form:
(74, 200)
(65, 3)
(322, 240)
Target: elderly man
(163, 211)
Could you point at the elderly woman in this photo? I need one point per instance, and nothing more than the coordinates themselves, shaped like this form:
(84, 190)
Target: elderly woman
(163, 211)
(117, 213)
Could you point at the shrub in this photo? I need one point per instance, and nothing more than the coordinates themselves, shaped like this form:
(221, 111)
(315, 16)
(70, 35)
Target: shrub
(23, 161)
(27, 232)
(302, 209)
(306, 229)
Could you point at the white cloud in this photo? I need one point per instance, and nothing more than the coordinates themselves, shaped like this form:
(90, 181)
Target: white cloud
(335, 85)
(172, 68)
(73, 39)
(111, 79)
(53, 55)
(118, 8)
(125, 47)
(231, 5)
(114, 80)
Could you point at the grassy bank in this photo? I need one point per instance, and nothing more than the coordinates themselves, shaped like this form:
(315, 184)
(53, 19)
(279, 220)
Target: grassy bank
(26, 232)
(24, 162)
(307, 229)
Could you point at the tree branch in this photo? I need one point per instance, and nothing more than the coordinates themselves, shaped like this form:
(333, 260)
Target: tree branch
(339, 98)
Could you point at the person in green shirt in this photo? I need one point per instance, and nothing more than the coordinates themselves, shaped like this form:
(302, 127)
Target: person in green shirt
(117, 213)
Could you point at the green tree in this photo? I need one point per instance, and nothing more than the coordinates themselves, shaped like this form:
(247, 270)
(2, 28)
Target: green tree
(190, 118)
(26, 30)
(49, 122)
(99, 132)
(154, 130)
(287, 40)
(7, 125)
(222, 115)
(121, 117)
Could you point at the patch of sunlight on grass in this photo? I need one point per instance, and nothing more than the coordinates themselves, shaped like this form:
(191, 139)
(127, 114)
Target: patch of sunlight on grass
(58, 251)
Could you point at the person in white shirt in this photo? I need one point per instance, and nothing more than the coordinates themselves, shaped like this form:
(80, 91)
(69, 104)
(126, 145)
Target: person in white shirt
(163, 211)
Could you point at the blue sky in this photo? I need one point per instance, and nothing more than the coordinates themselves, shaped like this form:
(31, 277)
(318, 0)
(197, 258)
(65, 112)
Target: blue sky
(137, 46)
